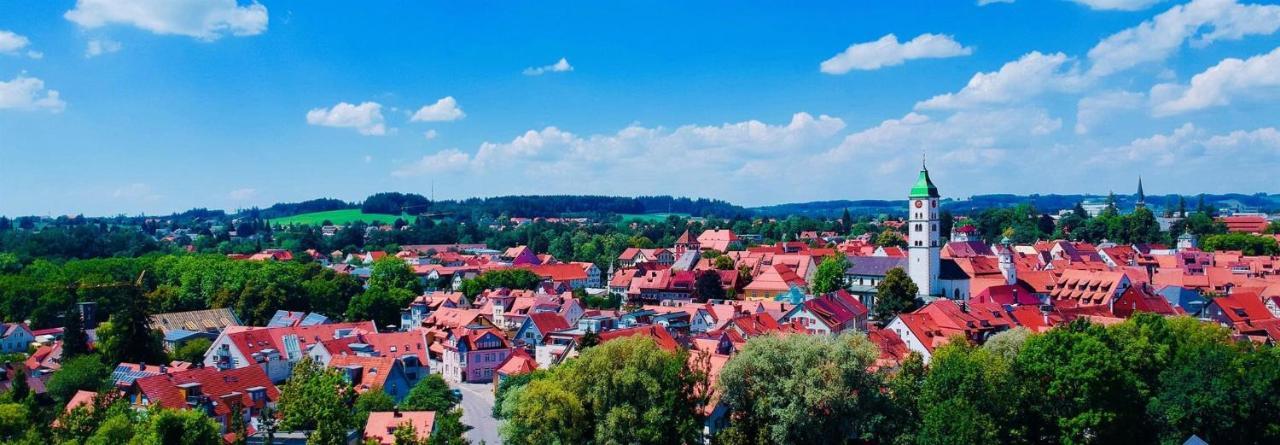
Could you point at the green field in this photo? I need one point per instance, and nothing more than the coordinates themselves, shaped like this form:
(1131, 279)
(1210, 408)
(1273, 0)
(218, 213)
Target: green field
(650, 217)
(339, 217)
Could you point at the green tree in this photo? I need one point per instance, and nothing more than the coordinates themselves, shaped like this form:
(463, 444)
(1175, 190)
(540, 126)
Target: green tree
(1244, 242)
(13, 421)
(801, 389)
(390, 272)
(85, 372)
(407, 434)
(193, 350)
(429, 394)
(316, 398)
(889, 238)
(121, 341)
(708, 286)
(380, 305)
(449, 429)
(623, 391)
(178, 427)
(19, 389)
(373, 400)
(895, 294)
(830, 274)
(723, 262)
(75, 341)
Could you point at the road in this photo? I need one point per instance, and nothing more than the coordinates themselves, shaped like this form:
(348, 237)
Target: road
(477, 412)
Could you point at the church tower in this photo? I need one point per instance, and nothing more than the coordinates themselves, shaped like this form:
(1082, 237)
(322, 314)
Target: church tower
(923, 249)
(1142, 197)
(1007, 268)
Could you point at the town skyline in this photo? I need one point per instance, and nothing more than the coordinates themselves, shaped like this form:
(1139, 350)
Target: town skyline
(242, 104)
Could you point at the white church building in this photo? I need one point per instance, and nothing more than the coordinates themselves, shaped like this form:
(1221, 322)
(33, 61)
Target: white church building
(923, 237)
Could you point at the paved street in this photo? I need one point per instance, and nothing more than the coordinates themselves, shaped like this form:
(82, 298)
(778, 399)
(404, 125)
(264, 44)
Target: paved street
(477, 407)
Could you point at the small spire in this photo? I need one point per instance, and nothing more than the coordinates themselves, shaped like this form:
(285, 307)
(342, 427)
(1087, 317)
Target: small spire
(922, 159)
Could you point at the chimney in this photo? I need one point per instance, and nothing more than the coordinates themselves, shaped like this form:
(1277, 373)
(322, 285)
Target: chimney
(396, 412)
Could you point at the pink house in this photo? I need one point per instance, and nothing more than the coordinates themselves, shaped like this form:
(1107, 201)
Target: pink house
(472, 355)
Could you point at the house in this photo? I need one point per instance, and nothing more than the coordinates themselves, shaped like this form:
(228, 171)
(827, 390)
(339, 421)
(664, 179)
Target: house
(832, 313)
(943, 320)
(1008, 295)
(521, 256)
(519, 362)
(1141, 299)
(471, 354)
(1254, 224)
(15, 337)
(1190, 300)
(125, 373)
(1080, 287)
(274, 349)
(776, 279)
(219, 393)
(870, 271)
(538, 325)
(573, 275)
(180, 327)
(381, 426)
(1238, 309)
(722, 240)
(389, 373)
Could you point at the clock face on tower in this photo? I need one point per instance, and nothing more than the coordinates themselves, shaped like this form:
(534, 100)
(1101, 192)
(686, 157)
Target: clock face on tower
(919, 203)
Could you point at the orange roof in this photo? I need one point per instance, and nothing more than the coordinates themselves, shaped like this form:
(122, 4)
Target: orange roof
(382, 425)
(373, 370)
(519, 362)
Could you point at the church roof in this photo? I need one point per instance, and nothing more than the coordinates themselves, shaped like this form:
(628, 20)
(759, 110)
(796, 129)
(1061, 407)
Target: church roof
(924, 187)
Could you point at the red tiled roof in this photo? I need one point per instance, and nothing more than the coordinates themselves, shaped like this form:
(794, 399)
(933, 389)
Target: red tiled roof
(559, 273)
(658, 333)
(163, 389)
(519, 362)
(381, 425)
(252, 340)
(548, 322)
(373, 370)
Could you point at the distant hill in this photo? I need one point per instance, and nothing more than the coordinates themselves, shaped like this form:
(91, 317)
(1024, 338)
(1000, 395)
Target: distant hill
(339, 217)
(1044, 203)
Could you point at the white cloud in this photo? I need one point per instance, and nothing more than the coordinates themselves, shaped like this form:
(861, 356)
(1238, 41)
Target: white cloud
(560, 66)
(35, 54)
(441, 161)
(242, 194)
(1189, 144)
(1160, 149)
(992, 2)
(661, 158)
(11, 43)
(977, 132)
(1093, 110)
(1118, 5)
(444, 110)
(888, 52)
(366, 118)
(1263, 138)
(1031, 75)
(29, 93)
(430, 134)
(1201, 22)
(1220, 83)
(202, 19)
(98, 47)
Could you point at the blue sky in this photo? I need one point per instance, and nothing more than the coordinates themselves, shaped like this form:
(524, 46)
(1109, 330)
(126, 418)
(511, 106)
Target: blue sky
(152, 106)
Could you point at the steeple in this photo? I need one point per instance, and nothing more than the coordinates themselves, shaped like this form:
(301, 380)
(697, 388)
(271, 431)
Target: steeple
(1142, 197)
(924, 187)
